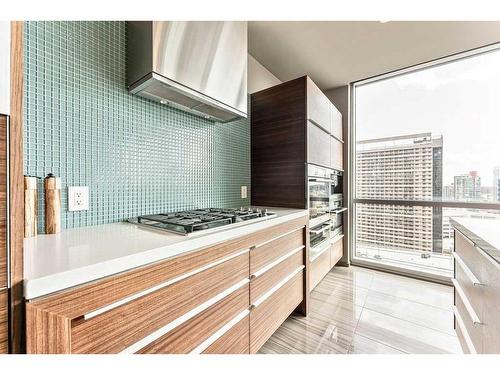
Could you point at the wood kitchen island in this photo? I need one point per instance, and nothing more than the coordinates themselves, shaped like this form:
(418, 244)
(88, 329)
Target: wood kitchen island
(119, 288)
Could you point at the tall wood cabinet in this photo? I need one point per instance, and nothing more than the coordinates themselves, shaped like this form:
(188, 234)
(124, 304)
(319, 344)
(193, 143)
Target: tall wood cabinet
(4, 333)
(292, 124)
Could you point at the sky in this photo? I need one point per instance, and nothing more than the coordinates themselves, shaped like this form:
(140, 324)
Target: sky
(458, 100)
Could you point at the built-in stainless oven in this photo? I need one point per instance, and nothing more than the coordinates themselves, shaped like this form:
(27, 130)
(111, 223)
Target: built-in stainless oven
(326, 205)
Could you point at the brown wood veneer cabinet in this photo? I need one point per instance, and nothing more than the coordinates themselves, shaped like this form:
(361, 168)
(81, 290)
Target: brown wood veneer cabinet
(4, 301)
(4, 332)
(292, 124)
(198, 302)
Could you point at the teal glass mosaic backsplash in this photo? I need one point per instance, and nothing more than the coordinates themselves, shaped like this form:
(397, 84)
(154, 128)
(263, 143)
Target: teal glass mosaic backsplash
(136, 156)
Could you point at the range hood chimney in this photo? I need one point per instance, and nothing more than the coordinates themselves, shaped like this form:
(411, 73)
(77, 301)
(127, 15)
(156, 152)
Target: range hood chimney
(200, 67)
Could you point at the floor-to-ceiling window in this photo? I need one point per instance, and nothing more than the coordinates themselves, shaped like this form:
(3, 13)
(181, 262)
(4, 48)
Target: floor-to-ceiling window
(425, 148)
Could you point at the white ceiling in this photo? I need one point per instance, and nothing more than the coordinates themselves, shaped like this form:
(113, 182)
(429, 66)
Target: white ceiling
(338, 52)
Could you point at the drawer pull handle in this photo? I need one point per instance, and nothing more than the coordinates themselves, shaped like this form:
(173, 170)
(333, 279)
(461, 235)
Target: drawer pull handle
(275, 288)
(461, 324)
(276, 262)
(219, 333)
(182, 319)
(474, 280)
(473, 316)
(145, 292)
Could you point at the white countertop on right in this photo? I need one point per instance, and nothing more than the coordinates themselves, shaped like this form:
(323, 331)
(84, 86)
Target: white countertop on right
(484, 232)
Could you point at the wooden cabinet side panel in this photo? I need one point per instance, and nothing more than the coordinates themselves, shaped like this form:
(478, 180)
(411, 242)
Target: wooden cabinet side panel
(47, 333)
(4, 326)
(3, 201)
(278, 150)
(235, 341)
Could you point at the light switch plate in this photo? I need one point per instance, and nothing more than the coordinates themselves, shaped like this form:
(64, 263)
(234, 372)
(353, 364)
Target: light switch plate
(78, 198)
(243, 192)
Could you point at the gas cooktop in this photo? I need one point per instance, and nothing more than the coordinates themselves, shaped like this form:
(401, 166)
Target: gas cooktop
(201, 220)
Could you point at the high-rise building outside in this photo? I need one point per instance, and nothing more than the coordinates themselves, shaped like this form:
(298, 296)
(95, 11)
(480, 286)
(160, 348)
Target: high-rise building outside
(448, 192)
(408, 167)
(467, 187)
(496, 183)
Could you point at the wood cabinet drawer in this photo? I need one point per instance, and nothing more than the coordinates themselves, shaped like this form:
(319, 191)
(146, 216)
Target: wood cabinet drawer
(473, 331)
(319, 267)
(4, 329)
(194, 332)
(336, 252)
(336, 154)
(234, 341)
(318, 145)
(268, 315)
(271, 250)
(318, 106)
(260, 283)
(116, 330)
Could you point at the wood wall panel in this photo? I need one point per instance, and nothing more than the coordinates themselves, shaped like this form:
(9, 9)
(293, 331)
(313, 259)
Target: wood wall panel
(16, 168)
(3, 202)
(4, 329)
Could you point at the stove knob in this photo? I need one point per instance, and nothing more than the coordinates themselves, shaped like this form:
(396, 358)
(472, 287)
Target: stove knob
(265, 211)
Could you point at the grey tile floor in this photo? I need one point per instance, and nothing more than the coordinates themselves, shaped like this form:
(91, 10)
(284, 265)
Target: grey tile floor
(360, 311)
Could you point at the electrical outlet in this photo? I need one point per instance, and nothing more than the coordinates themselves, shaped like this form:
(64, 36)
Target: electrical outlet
(78, 198)
(243, 192)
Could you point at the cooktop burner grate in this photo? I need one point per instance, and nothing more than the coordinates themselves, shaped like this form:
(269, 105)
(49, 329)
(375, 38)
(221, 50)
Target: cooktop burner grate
(191, 221)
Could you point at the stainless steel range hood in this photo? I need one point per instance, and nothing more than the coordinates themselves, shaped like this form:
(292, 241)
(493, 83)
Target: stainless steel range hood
(200, 67)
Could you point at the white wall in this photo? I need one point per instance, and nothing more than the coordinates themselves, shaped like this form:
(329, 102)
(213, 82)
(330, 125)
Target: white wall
(259, 78)
(4, 67)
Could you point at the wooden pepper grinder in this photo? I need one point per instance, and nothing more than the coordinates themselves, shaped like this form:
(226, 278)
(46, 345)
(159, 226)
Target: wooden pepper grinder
(52, 186)
(30, 206)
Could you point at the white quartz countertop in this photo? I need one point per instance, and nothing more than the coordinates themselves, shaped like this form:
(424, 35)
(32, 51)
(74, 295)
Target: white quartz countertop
(75, 256)
(485, 233)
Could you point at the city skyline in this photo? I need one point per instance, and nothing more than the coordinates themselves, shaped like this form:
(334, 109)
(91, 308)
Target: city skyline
(448, 99)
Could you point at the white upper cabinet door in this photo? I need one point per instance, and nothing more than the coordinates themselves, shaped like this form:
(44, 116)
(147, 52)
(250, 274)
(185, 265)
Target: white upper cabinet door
(4, 67)
(318, 106)
(336, 122)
